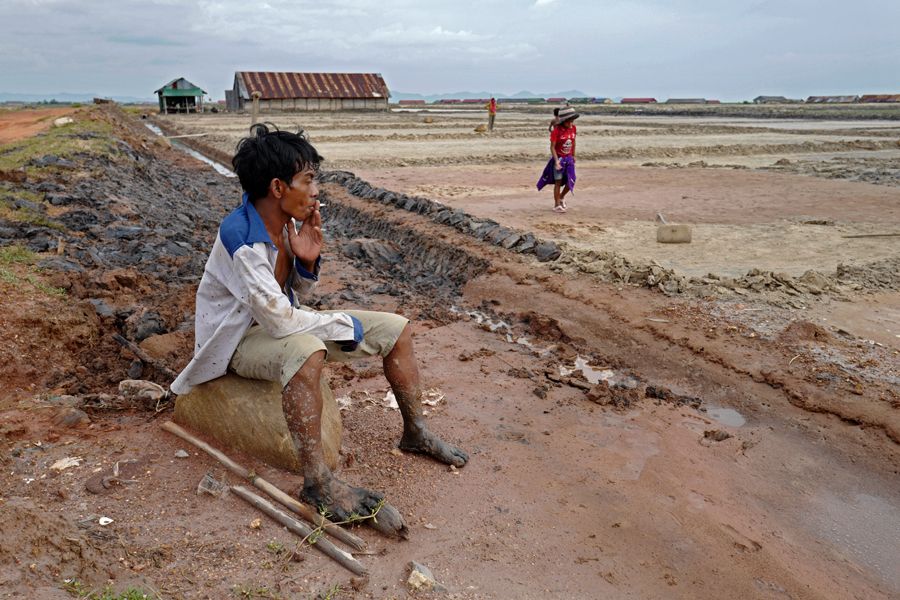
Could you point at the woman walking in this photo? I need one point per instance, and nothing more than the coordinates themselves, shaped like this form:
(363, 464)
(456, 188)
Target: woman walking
(560, 169)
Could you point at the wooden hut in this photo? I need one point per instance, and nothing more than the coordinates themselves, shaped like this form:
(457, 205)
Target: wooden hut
(180, 96)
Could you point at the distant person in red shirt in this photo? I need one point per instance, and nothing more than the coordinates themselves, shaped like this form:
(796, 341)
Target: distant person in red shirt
(492, 113)
(561, 167)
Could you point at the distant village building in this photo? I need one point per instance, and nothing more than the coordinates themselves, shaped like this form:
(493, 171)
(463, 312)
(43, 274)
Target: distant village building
(686, 101)
(520, 100)
(590, 100)
(832, 99)
(180, 96)
(869, 98)
(769, 100)
(638, 101)
(307, 91)
(774, 100)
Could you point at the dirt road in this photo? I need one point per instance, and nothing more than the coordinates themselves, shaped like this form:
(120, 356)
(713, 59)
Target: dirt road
(625, 444)
(20, 124)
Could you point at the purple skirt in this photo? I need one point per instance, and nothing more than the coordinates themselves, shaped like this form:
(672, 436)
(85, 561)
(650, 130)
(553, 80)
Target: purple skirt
(568, 168)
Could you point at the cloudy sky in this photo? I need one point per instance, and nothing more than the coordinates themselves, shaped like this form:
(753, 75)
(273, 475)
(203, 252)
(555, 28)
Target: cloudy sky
(673, 48)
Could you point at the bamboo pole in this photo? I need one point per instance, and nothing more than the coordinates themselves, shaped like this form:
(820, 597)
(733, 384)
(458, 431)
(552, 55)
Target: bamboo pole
(872, 235)
(295, 505)
(345, 559)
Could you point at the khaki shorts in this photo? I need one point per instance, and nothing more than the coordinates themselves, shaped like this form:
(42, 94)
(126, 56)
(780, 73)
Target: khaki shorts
(260, 356)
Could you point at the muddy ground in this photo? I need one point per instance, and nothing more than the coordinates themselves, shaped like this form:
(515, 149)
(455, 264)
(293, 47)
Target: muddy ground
(627, 441)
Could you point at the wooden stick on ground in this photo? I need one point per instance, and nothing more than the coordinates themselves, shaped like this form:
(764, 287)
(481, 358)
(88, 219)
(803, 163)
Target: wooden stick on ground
(871, 235)
(136, 350)
(298, 507)
(297, 526)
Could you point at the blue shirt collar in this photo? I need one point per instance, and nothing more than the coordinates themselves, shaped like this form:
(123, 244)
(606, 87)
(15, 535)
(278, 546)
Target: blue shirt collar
(257, 231)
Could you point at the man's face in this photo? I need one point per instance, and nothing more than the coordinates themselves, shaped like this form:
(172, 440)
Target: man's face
(299, 199)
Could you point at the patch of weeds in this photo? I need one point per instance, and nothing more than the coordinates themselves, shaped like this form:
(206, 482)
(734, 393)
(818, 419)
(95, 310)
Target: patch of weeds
(47, 290)
(83, 592)
(253, 591)
(17, 255)
(331, 593)
(11, 191)
(84, 135)
(275, 547)
(9, 212)
(11, 255)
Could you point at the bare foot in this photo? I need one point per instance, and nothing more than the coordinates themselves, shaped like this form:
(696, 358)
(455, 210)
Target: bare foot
(425, 442)
(340, 499)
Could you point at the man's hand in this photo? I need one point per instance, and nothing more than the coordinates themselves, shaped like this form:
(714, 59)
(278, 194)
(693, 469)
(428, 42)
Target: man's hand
(306, 244)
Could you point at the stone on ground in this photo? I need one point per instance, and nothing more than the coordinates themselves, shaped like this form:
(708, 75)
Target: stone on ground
(421, 577)
(673, 234)
(246, 414)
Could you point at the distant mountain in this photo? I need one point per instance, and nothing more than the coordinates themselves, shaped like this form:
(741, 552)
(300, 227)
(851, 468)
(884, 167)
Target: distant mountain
(396, 96)
(69, 97)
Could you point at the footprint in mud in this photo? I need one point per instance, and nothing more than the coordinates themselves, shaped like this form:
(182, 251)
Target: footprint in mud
(740, 541)
(509, 435)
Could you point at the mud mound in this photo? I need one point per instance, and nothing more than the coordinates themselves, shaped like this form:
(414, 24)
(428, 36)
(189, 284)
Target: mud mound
(879, 275)
(803, 331)
(880, 171)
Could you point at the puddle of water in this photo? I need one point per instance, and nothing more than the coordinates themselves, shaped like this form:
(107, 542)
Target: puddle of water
(219, 167)
(483, 319)
(593, 375)
(726, 416)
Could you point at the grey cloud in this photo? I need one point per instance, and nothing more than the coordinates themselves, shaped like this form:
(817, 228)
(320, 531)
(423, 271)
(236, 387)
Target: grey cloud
(604, 47)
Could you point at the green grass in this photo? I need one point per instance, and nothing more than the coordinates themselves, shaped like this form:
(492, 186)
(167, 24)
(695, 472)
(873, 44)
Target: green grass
(9, 211)
(59, 141)
(253, 591)
(83, 592)
(17, 255)
(11, 255)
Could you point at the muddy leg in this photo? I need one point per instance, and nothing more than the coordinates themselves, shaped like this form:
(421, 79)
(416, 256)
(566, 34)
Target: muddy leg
(302, 405)
(401, 372)
(557, 198)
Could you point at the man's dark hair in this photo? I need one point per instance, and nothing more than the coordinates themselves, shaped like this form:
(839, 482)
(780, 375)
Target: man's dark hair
(266, 155)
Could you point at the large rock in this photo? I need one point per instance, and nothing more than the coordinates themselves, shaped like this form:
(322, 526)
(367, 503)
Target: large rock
(246, 414)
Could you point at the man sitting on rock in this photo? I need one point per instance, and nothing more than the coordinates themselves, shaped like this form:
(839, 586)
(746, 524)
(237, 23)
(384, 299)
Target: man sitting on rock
(249, 319)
